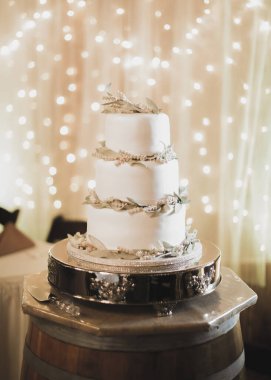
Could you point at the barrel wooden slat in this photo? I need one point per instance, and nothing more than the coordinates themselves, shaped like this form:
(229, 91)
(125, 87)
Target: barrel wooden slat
(29, 373)
(45, 352)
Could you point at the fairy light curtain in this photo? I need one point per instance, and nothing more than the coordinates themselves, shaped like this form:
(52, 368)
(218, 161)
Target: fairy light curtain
(205, 63)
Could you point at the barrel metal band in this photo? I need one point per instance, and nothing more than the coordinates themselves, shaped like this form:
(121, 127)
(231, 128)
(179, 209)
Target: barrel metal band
(134, 343)
(231, 371)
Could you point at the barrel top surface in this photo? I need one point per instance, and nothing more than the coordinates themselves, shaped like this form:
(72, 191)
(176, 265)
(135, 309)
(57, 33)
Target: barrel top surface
(203, 313)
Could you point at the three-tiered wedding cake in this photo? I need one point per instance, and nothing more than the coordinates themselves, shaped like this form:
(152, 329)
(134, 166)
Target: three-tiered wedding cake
(136, 213)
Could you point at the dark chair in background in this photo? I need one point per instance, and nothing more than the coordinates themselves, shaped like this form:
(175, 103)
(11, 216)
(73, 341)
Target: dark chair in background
(8, 217)
(61, 227)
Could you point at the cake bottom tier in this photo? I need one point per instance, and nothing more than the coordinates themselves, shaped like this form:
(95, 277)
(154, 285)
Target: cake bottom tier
(135, 231)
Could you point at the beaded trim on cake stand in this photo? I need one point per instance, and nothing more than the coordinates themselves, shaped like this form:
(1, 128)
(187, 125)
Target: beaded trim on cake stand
(107, 284)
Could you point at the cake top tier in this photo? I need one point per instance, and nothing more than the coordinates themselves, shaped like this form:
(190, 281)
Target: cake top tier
(135, 128)
(137, 133)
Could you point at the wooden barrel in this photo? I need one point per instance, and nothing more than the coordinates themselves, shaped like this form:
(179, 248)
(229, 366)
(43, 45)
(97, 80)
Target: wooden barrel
(56, 352)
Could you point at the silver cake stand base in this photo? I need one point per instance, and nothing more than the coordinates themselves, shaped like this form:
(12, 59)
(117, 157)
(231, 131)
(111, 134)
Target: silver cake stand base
(108, 284)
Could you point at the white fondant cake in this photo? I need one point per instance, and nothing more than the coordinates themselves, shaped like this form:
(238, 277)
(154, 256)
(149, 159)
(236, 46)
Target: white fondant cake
(136, 211)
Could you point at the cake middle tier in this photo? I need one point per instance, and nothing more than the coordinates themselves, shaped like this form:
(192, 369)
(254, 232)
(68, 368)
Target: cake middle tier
(143, 183)
(120, 229)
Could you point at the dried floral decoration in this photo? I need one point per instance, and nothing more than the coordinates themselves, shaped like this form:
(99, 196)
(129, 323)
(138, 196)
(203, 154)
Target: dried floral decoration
(164, 250)
(169, 204)
(122, 157)
(121, 104)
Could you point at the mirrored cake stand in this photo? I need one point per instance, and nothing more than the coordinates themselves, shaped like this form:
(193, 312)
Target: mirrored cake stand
(162, 285)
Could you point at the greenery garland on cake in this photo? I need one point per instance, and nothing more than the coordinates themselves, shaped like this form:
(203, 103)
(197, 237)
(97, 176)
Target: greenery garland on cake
(163, 250)
(122, 157)
(169, 204)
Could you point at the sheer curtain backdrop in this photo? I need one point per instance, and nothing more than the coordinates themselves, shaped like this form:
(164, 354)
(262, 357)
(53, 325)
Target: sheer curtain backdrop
(205, 63)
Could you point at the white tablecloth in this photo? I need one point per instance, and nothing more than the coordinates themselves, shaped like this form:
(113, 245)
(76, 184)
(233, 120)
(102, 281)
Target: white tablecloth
(13, 323)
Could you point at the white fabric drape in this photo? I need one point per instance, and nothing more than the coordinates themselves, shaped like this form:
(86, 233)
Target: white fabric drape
(244, 209)
(206, 64)
(13, 327)
(13, 323)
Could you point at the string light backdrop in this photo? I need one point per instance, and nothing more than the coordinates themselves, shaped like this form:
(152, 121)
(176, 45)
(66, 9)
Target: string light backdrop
(205, 63)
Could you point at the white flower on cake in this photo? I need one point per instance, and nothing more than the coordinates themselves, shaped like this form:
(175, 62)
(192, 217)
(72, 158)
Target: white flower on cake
(78, 241)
